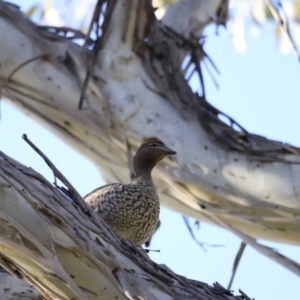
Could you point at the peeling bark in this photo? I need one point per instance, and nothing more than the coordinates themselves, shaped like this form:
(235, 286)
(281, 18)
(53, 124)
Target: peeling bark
(135, 89)
(13, 288)
(68, 254)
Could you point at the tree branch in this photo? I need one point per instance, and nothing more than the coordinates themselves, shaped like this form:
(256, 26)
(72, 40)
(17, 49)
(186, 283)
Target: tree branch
(71, 257)
(220, 175)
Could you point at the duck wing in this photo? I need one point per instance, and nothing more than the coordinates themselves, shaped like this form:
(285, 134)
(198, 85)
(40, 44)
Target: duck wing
(101, 194)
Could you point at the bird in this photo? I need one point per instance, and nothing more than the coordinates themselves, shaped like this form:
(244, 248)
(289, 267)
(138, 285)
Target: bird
(132, 210)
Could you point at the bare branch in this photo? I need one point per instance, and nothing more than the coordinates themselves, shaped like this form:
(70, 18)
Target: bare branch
(71, 190)
(236, 263)
(201, 244)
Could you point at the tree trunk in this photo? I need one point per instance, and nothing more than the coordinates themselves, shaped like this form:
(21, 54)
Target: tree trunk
(128, 84)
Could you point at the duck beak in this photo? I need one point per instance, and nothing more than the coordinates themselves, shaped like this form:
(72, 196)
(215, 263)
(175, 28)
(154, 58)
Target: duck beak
(168, 151)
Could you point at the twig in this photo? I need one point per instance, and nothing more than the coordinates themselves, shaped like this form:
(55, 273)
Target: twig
(95, 19)
(283, 23)
(236, 263)
(54, 33)
(41, 56)
(211, 74)
(98, 42)
(201, 244)
(245, 296)
(107, 15)
(196, 58)
(57, 174)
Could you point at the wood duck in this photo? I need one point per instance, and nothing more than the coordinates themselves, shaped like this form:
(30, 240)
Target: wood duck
(132, 210)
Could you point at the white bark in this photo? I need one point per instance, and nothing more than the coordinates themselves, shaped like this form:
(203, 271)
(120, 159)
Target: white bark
(189, 17)
(255, 196)
(13, 288)
(66, 254)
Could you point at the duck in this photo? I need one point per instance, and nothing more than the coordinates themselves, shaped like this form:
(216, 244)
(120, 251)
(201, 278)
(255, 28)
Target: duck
(132, 210)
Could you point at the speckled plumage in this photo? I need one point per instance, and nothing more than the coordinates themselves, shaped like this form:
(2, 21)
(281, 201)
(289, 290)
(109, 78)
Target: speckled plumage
(132, 210)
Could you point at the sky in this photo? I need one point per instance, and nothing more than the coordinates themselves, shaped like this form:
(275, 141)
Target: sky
(259, 89)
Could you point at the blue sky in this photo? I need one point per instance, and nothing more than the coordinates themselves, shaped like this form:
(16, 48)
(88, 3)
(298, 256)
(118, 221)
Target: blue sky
(259, 90)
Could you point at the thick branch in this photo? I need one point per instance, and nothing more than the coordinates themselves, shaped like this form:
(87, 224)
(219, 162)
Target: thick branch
(220, 175)
(50, 242)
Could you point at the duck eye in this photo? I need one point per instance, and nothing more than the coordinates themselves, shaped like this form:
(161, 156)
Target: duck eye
(153, 145)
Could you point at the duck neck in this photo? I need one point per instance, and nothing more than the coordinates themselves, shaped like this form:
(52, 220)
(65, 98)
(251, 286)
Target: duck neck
(142, 168)
(142, 175)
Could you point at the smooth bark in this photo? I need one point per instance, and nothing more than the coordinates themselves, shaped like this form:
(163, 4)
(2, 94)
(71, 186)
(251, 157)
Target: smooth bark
(136, 89)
